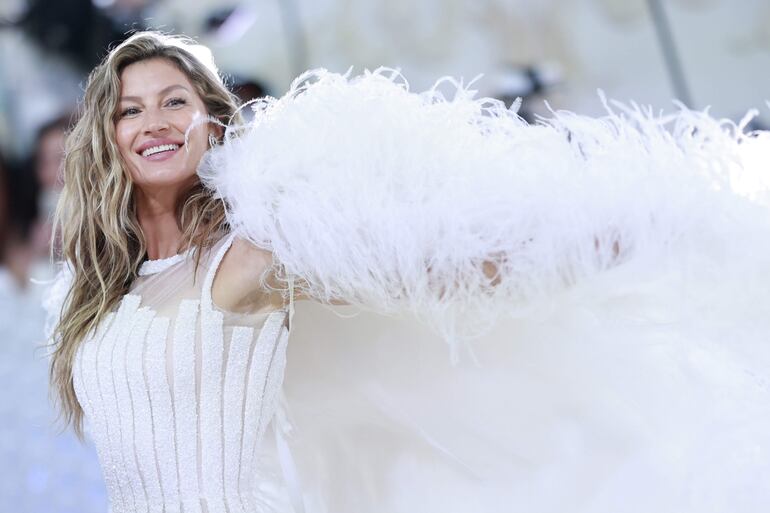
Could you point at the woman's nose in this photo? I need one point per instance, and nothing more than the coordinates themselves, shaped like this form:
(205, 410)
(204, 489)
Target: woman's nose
(155, 122)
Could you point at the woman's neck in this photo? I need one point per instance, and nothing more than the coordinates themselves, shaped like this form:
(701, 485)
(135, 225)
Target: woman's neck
(157, 217)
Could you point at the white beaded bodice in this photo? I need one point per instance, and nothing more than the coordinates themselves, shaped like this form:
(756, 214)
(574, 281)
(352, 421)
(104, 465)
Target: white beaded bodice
(178, 393)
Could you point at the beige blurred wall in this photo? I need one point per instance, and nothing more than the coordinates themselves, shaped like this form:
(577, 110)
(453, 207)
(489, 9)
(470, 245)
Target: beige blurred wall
(608, 44)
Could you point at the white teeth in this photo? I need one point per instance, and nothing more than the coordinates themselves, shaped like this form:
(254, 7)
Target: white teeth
(157, 149)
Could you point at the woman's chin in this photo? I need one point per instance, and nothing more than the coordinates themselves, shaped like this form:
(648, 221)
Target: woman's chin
(164, 178)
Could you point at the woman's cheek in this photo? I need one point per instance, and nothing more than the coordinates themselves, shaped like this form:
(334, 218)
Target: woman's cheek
(123, 135)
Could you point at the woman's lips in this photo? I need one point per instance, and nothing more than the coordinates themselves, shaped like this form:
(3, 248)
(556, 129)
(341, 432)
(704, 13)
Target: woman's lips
(162, 155)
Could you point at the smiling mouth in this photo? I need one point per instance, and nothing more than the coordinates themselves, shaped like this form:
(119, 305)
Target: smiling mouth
(162, 148)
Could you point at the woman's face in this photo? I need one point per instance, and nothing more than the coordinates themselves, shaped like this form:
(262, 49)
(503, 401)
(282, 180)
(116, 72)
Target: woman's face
(157, 105)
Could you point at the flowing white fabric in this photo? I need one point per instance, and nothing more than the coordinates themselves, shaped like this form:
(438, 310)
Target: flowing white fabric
(630, 368)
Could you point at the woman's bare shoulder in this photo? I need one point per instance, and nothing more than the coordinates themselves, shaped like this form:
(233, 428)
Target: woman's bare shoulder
(249, 276)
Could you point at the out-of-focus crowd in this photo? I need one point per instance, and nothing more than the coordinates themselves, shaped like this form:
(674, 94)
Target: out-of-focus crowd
(41, 70)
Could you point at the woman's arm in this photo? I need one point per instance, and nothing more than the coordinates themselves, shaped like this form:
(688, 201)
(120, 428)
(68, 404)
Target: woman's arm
(244, 282)
(248, 281)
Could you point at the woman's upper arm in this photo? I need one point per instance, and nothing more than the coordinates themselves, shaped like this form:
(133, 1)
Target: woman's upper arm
(245, 280)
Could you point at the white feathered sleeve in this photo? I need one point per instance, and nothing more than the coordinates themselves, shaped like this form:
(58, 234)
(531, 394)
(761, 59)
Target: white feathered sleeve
(394, 200)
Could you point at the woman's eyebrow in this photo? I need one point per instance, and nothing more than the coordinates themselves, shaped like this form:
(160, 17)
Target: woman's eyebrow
(162, 92)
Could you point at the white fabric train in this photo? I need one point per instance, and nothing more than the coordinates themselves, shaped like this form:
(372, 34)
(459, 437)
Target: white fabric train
(630, 368)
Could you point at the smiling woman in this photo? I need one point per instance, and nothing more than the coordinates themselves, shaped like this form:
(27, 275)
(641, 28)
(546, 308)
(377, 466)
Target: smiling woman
(145, 328)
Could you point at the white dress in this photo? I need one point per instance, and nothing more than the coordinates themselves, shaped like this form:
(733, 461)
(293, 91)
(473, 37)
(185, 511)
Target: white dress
(178, 393)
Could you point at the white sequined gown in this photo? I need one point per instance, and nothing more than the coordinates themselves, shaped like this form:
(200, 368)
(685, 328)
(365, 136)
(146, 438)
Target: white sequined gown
(177, 394)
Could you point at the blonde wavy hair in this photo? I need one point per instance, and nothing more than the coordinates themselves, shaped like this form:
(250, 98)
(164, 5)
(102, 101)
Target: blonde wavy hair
(100, 236)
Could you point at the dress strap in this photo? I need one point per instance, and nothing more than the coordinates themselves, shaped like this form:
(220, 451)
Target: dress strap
(208, 281)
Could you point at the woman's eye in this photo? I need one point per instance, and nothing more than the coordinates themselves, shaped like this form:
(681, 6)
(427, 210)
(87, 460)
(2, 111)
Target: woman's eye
(129, 111)
(175, 102)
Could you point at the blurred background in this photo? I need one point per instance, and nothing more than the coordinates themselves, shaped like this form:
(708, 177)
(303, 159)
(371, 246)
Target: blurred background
(702, 52)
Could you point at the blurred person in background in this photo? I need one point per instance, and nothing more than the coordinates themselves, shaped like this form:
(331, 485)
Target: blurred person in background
(36, 186)
(32, 479)
(13, 252)
(47, 164)
(4, 221)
